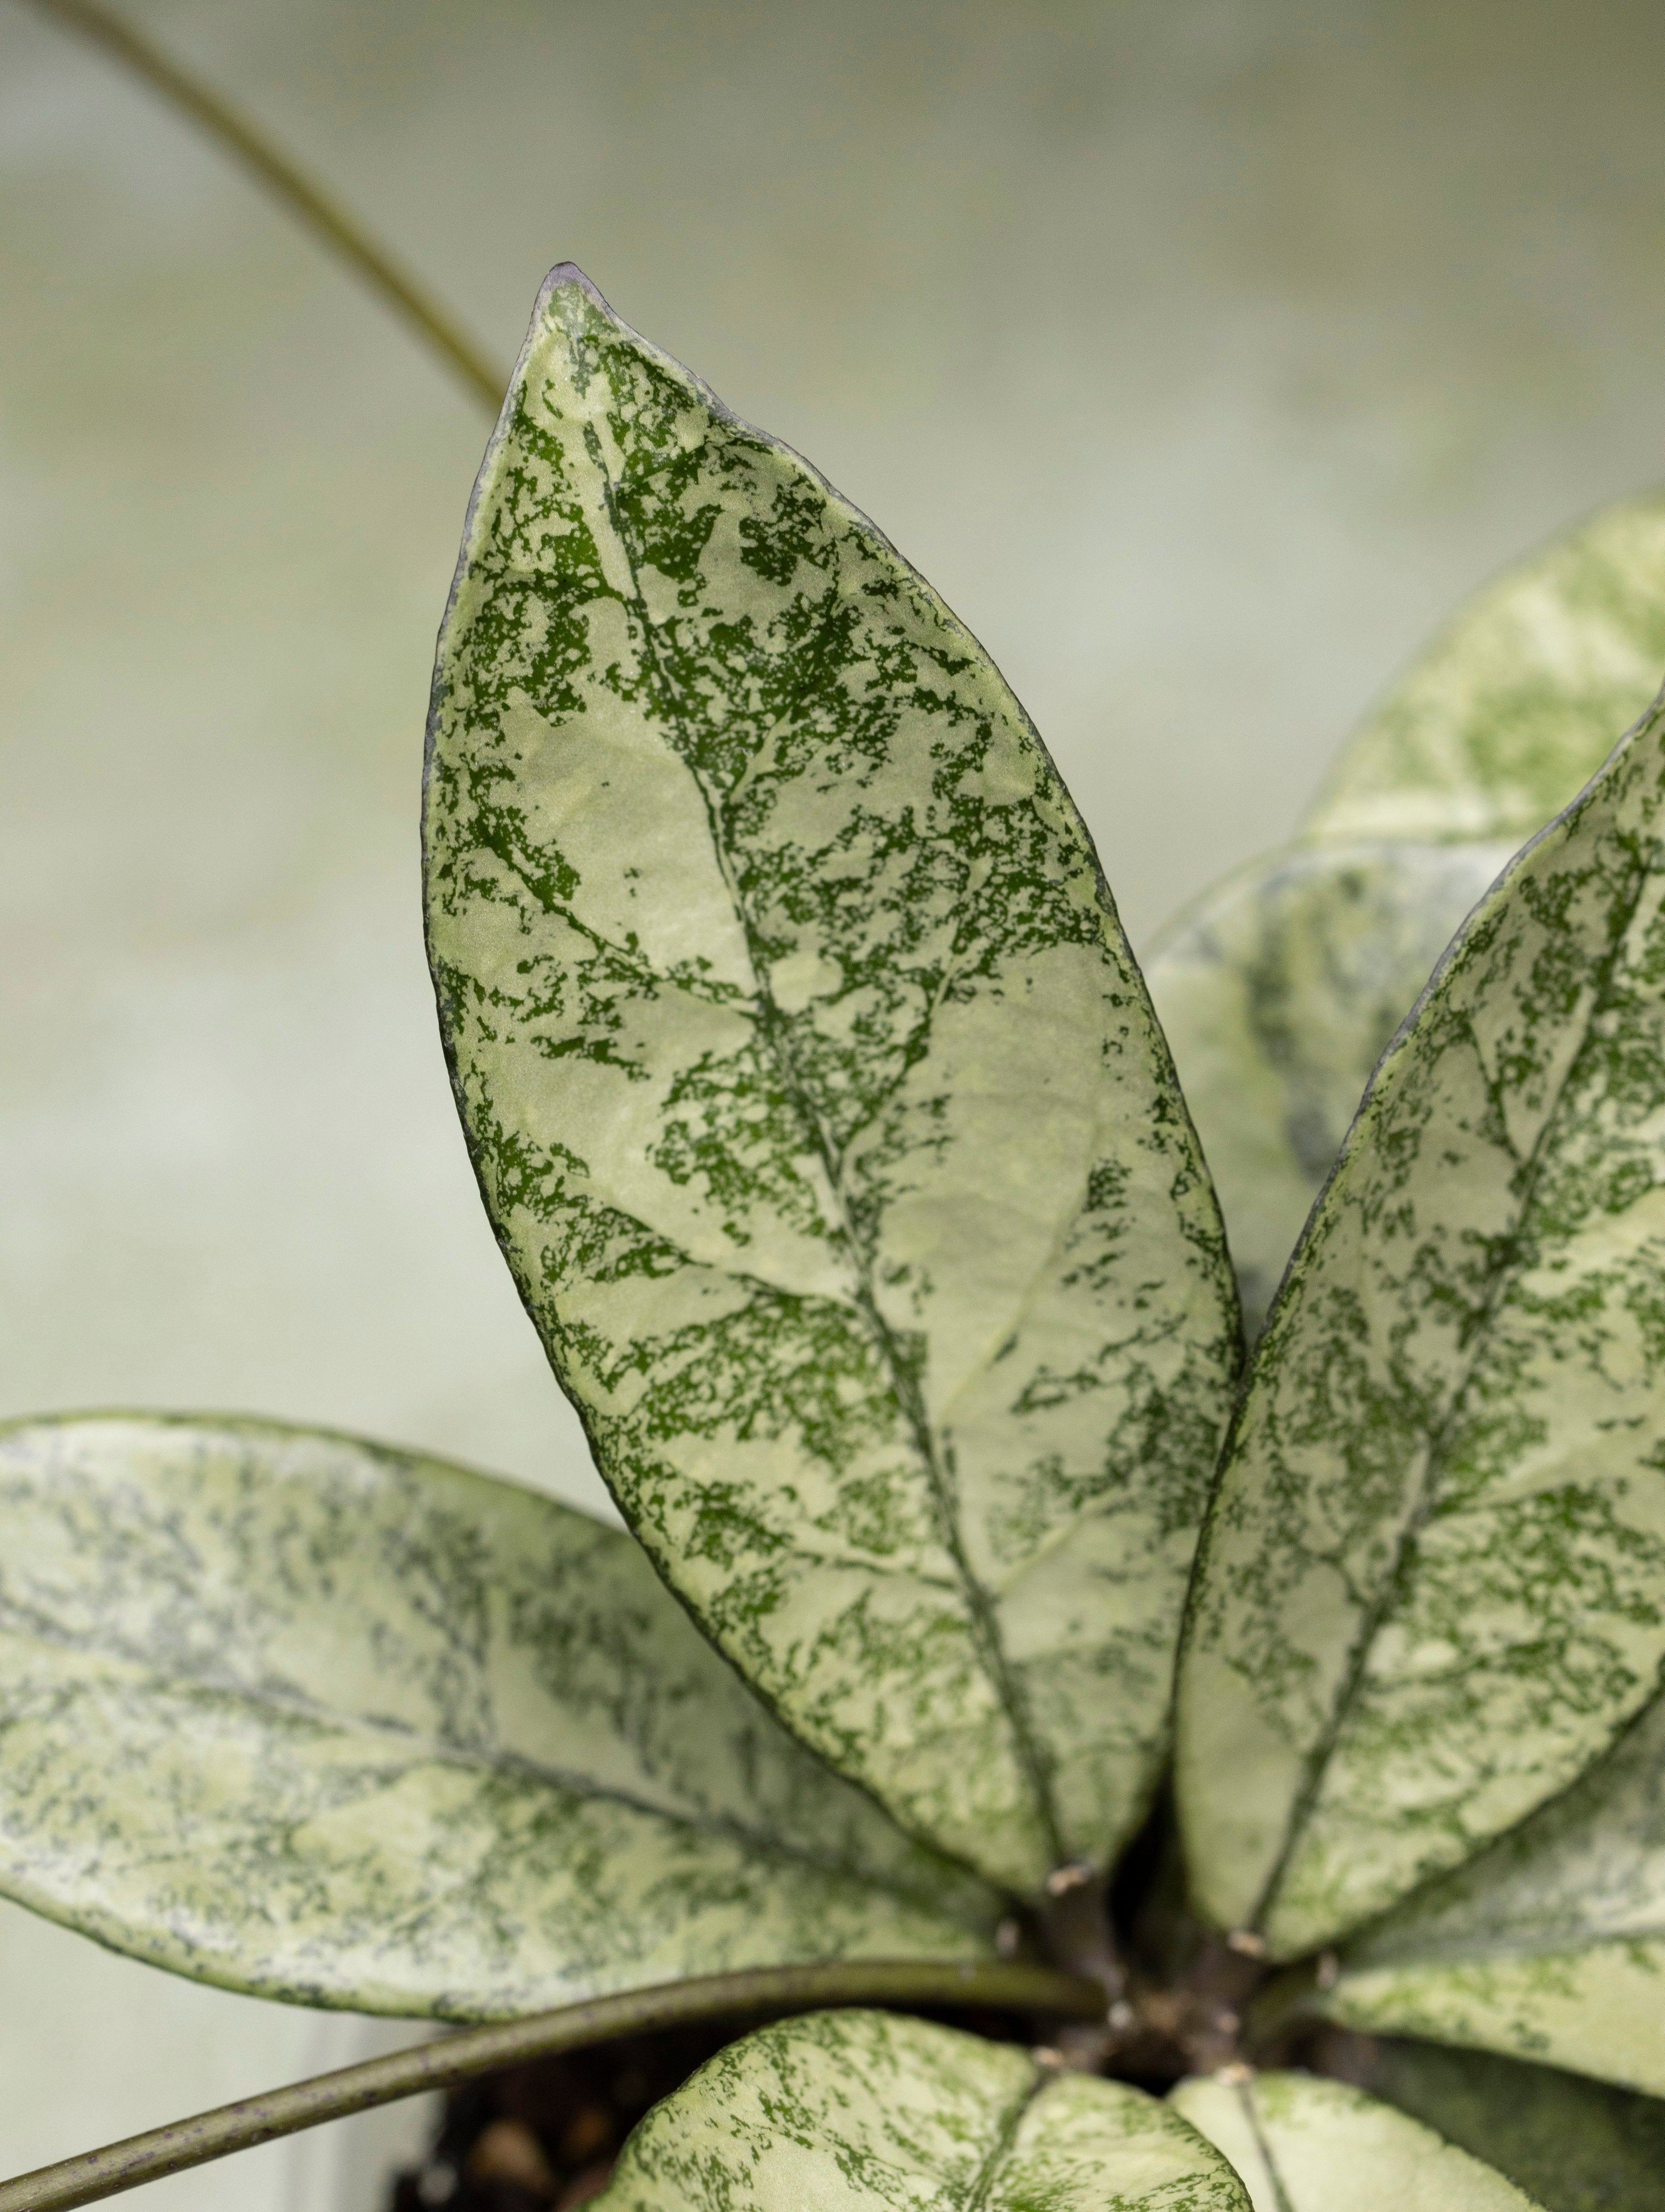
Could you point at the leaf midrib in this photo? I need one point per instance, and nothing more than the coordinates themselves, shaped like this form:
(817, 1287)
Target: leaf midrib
(1390, 1589)
(1246, 2099)
(977, 2197)
(980, 1607)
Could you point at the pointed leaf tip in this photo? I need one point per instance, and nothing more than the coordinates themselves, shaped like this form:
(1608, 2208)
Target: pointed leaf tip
(820, 1108)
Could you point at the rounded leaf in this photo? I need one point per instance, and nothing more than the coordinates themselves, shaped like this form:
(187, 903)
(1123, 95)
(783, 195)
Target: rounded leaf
(866, 2109)
(1305, 2145)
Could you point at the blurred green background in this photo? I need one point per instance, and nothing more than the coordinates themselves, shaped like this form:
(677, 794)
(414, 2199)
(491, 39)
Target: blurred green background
(1201, 355)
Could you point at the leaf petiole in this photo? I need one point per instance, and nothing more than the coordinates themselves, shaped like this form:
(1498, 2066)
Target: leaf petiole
(759, 1993)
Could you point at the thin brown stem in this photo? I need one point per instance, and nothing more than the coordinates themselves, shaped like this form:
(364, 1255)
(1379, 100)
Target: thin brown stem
(325, 217)
(757, 1993)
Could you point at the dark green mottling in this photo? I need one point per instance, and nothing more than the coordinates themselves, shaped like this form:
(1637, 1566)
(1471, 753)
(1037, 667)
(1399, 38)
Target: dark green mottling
(819, 1106)
(1430, 1592)
(863, 2109)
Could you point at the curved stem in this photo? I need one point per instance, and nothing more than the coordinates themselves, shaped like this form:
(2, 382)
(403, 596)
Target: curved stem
(758, 1992)
(311, 207)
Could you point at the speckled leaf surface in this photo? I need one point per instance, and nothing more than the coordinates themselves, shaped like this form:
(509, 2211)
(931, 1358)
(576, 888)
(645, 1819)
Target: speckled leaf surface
(1521, 698)
(298, 1714)
(1551, 1944)
(819, 1106)
(1431, 1591)
(1573, 2145)
(1278, 991)
(867, 2109)
(1305, 2145)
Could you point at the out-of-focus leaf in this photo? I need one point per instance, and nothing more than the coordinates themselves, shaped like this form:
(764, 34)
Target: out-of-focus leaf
(866, 2109)
(1521, 699)
(1573, 2145)
(1430, 1589)
(298, 1715)
(1551, 1945)
(819, 1106)
(1303, 2145)
(1278, 991)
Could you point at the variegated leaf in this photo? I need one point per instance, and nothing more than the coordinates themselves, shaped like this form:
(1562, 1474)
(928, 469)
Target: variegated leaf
(866, 2109)
(819, 1106)
(1550, 1945)
(1433, 1584)
(298, 1715)
(1304, 2145)
(1520, 700)
(1278, 991)
(1573, 2145)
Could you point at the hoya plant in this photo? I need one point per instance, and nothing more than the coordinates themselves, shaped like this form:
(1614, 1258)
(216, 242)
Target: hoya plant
(1274, 1745)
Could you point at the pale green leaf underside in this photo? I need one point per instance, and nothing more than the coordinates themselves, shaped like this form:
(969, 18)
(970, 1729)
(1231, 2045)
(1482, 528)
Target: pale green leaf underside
(1278, 991)
(1305, 2145)
(1431, 1592)
(1573, 2145)
(295, 1714)
(819, 1106)
(1551, 1945)
(866, 2109)
(1518, 703)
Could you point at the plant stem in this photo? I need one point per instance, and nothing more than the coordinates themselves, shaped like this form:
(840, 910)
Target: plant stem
(760, 1991)
(325, 217)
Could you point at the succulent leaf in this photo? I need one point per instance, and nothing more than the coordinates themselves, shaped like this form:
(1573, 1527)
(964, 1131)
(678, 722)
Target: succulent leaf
(1305, 2145)
(1279, 990)
(1428, 1595)
(1517, 703)
(819, 1106)
(1551, 1945)
(298, 1714)
(1573, 2145)
(866, 2109)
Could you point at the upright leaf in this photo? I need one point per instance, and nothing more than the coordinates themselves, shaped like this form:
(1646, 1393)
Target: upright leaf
(866, 2109)
(1551, 1944)
(1303, 2145)
(819, 1107)
(1520, 700)
(298, 1715)
(1573, 2145)
(1431, 1591)
(1278, 991)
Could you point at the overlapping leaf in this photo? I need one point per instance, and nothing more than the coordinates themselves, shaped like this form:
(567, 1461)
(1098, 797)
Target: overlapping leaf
(1304, 2145)
(292, 1713)
(819, 1106)
(1519, 702)
(1573, 2145)
(1278, 991)
(1551, 1944)
(866, 2109)
(1430, 1592)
